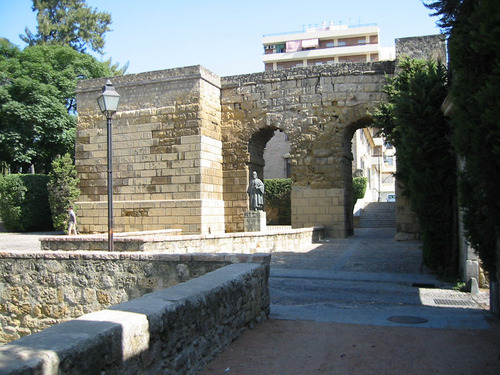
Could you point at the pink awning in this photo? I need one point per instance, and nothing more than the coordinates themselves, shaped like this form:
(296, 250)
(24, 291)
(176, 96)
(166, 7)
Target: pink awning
(310, 43)
(293, 45)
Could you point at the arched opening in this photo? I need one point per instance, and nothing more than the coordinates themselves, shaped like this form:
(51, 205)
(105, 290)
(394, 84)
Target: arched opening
(256, 147)
(277, 172)
(277, 156)
(373, 160)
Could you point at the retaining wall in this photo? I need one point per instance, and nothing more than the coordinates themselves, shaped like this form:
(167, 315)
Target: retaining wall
(40, 289)
(173, 331)
(234, 243)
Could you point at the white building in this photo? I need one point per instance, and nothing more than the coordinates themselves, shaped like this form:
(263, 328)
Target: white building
(328, 44)
(375, 160)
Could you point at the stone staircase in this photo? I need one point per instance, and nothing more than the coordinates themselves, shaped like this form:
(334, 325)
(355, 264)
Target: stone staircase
(378, 215)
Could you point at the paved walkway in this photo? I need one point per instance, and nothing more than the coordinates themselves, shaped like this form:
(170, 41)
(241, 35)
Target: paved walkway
(364, 305)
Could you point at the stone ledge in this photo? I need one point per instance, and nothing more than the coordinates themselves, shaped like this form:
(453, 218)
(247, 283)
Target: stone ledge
(176, 330)
(240, 242)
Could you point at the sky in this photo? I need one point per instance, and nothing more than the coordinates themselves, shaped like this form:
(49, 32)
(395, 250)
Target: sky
(224, 36)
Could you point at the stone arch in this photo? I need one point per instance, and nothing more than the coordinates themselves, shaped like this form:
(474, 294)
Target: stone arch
(256, 146)
(359, 118)
(187, 139)
(319, 108)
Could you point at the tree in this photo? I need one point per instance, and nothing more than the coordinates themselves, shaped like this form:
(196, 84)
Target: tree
(37, 102)
(63, 189)
(413, 122)
(475, 64)
(69, 23)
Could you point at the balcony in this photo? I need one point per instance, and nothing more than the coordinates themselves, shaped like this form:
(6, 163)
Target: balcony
(321, 53)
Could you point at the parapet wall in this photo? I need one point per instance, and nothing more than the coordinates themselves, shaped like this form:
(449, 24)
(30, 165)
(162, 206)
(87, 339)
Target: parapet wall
(40, 289)
(173, 331)
(228, 243)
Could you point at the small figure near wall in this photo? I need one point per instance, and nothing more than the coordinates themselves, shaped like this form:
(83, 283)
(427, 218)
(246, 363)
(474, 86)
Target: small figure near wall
(256, 193)
(71, 221)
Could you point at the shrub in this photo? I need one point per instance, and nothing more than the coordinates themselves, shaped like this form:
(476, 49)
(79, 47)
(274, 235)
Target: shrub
(277, 195)
(24, 204)
(359, 188)
(63, 190)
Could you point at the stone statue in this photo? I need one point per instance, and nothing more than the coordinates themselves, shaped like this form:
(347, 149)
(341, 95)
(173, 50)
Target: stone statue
(256, 193)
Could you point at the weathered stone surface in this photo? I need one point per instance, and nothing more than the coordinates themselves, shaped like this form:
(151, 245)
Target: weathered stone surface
(40, 289)
(186, 141)
(173, 331)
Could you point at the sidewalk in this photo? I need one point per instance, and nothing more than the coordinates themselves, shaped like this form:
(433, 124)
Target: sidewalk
(364, 305)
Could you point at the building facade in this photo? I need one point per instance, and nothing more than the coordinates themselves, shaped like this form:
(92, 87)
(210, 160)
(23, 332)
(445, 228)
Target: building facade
(374, 159)
(328, 44)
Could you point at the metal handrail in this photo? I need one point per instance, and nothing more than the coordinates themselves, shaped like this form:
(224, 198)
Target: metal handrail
(315, 28)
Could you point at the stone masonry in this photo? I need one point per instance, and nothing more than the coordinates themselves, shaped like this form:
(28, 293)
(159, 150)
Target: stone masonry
(176, 330)
(41, 289)
(186, 142)
(319, 108)
(167, 153)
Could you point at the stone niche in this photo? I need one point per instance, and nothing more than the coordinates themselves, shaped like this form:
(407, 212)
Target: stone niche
(167, 153)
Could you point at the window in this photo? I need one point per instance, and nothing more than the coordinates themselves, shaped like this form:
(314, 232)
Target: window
(341, 43)
(280, 48)
(361, 41)
(330, 45)
(288, 168)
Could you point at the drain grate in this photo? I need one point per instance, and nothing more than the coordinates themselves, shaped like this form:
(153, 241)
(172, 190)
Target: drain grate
(405, 319)
(453, 302)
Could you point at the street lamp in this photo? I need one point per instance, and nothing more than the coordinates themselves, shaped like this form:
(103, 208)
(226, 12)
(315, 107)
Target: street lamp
(108, 103)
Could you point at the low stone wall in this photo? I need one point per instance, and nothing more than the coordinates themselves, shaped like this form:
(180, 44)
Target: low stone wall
(235, 243)
(173, 331)
(39, 289)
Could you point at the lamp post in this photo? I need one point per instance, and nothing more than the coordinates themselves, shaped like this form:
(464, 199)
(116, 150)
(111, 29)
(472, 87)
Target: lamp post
(108, 104)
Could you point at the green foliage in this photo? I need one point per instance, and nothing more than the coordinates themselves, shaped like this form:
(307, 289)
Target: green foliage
(359, 188)
(68, 23)
(277, 194)
(413, 122)
(24, 205)
(475, 63)
(37, 102)
(63, 190)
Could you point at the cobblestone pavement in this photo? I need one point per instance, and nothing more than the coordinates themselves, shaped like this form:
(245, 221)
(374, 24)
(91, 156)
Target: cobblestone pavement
(365, 305)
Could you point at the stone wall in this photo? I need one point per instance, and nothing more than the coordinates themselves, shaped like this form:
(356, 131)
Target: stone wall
(185, 142)
(173, 331)
(166, 153)
(429, 47)
(40, 289)
(227, 243)
(319, 108)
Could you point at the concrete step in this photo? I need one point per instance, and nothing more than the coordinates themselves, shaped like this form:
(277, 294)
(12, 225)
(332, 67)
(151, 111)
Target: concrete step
(378, 215)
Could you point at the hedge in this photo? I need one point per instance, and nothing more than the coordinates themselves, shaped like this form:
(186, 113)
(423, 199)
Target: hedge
(24, 203)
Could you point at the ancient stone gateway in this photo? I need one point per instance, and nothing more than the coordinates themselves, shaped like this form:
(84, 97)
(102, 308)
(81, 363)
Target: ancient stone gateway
(186, 142)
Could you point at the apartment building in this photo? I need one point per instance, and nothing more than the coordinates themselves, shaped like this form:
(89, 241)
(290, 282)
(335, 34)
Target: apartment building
(327, 44)
(374, 159)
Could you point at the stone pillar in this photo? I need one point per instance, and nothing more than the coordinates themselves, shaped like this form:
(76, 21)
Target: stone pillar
(320, 207)
(167, 153)
(255, 221)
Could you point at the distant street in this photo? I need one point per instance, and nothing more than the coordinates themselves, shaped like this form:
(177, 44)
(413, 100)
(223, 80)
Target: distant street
(367, 279)
(364, 305)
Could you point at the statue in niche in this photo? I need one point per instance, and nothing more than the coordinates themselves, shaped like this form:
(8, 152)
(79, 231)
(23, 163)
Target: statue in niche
(256, 193)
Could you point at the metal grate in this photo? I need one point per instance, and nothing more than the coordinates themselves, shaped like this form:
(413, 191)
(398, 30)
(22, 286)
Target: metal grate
(453, 302)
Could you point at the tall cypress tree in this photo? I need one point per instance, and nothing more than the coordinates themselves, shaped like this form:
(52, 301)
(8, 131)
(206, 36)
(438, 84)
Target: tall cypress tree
(412, 121)
(474, 32)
